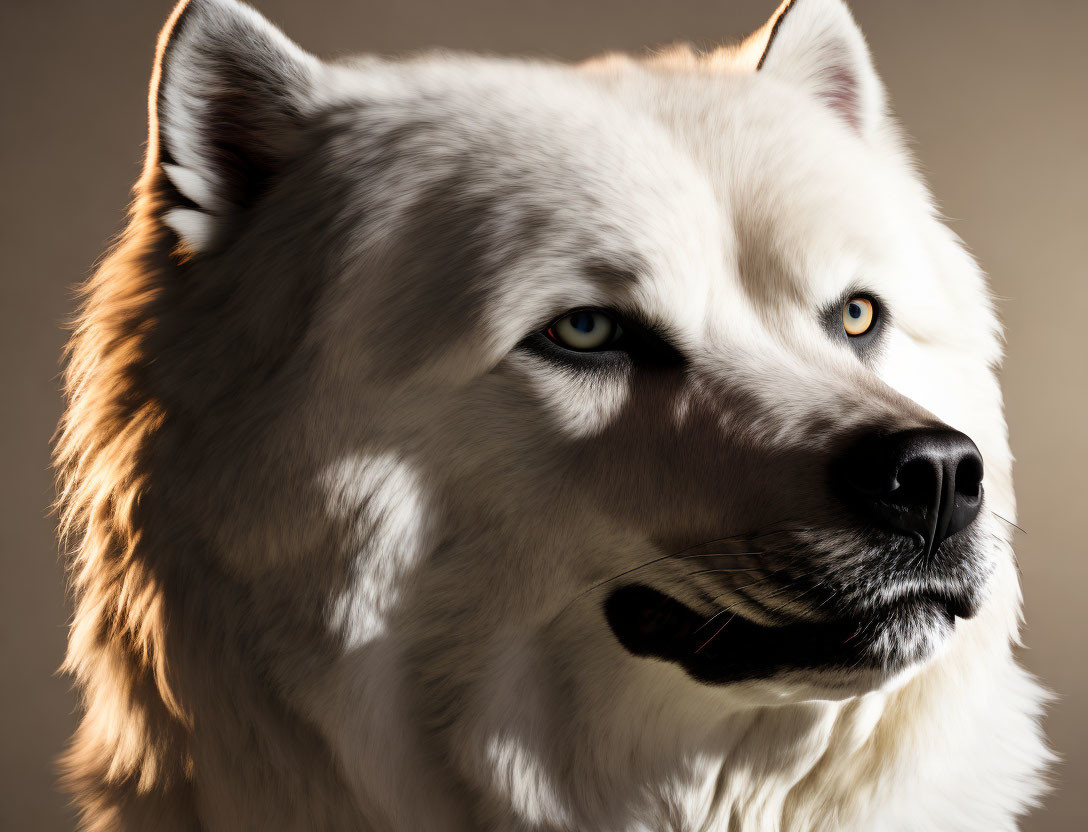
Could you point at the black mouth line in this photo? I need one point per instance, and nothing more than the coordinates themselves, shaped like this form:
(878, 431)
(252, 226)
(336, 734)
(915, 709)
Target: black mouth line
(727, 647)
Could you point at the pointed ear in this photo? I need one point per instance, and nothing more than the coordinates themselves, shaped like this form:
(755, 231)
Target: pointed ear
(816, 45)
(229, 96)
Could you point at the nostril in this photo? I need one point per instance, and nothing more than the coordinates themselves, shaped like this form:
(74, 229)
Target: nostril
(919, 481)
(969, 477)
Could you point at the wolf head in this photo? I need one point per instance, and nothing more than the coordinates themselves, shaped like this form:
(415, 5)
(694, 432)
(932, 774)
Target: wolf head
(537, 426)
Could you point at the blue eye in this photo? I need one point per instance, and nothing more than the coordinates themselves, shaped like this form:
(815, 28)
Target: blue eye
(857, 316)
(584, 330)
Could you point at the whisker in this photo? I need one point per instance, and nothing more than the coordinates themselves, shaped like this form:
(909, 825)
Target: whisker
(648, 563)
(793, 530)
(999, 517)
(730, 608)
(793, 579)
(623, 574)
(812, 585)
(746, 536)
(750, 584)
(717, 633)
(767, 531)
(682, 555)
(737, 569)
(710, 620)
(721, 555)
(788, 586)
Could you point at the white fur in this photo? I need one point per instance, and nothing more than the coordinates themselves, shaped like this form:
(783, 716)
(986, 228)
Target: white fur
(452, 509)
(818, 48)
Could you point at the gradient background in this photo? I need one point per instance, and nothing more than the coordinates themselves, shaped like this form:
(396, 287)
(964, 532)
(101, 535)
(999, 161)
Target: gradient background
(994, 92)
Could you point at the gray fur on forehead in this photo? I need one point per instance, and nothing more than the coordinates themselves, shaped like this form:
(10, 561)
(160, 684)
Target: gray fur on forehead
(636, 166)
(539, 131)
(463, 188)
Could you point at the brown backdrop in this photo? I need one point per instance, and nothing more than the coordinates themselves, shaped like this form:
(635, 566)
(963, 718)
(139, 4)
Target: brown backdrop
(994, 92)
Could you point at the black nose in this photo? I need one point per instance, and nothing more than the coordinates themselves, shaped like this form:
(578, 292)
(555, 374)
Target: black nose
(925, 482)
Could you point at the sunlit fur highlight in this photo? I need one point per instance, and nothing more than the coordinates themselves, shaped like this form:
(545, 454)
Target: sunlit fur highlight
(115, 643)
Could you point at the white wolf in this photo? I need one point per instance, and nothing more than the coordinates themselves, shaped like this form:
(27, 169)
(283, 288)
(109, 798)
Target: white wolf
(478, 444)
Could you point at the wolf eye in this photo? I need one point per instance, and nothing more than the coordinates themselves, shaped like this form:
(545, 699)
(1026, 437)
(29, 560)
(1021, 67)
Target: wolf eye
(857, 316)
(584, 330)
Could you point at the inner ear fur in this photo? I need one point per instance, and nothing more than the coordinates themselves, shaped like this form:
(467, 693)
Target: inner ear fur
(817, 46)
(230, 94)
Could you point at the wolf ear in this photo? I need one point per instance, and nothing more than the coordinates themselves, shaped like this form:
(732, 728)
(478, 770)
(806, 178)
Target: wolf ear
(229, 95)
(815, 44)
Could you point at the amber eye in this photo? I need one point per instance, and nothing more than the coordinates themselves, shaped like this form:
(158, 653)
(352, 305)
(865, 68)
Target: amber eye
(584, 330)
(857, 316)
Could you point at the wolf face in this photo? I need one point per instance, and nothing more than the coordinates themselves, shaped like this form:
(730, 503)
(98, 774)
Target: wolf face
(613, 446)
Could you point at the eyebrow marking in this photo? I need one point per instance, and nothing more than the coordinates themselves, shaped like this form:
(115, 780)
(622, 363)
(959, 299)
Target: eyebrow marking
(616, 275)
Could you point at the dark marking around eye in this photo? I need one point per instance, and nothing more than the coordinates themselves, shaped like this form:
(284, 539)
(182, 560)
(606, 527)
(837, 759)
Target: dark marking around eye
(636, 344)
(850, 312)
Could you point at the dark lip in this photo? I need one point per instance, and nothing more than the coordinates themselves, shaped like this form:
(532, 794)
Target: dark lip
(729, 648)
